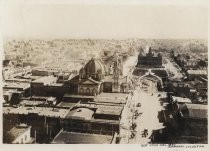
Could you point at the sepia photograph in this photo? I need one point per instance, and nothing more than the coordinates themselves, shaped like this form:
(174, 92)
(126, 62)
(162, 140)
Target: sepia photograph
(104, 73)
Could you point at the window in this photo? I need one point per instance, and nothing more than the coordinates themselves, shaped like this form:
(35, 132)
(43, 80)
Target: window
(95, 92)
(88, 91)
(81, 90)
(25, 137)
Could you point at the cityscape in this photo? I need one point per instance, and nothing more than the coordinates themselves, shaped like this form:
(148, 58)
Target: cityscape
(105, 91)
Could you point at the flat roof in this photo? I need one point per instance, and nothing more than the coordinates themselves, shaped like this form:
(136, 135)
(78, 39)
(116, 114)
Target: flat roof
(114, 110)
(107, 121)
(18, 131)
(66, 104)
(30, 102)
(16, 85)
(57, 84)
(41, 111)
(103, 108)
(45, 79)
(118, 98)
(6, 110)
(65, 137)
(203, 72)
(18, 80)
(45, 69)
(78, 96)
(118, 95)
(181, 100)
(109, 78)
(35, 77)
(195, 111)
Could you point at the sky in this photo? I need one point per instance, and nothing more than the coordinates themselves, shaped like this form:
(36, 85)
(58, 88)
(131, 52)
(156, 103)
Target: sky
(67, 20)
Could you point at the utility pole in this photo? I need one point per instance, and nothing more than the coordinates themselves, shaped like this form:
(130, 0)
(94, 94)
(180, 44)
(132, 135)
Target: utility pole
(50, 133)
(47, 129)
(35, 136)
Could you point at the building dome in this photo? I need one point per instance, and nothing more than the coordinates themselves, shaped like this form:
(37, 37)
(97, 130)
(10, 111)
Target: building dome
(82, 73)
(95, 69)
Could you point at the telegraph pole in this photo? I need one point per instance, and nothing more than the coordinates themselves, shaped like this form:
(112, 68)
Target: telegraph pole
(35, 136)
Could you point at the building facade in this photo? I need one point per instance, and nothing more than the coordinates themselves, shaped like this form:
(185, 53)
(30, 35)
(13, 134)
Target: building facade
(150, 59)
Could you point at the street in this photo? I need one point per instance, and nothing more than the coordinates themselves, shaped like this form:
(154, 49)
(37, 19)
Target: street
(148, 120)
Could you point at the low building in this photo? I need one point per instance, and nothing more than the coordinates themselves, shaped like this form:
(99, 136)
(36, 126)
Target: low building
(19, 86)
(95, 118)
(180, 100)
(43, 72)
(14, 91)
(49, 120)
(193, 122)
(39, 101)
(48, 86)
(181, 89)
(65, 137)
(12, 97)
(100, 114)
(193, 74)
(20, 134)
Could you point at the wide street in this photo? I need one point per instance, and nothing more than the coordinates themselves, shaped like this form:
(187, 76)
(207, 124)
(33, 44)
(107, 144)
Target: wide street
(150, 106)
(148, 111)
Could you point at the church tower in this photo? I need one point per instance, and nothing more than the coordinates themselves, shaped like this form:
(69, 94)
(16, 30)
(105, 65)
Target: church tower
(116, 75)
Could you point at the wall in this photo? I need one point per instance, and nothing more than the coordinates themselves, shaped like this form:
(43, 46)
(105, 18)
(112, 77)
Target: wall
(24, 138)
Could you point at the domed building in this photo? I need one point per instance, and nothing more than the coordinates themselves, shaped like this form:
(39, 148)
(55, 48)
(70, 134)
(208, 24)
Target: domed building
(90, 77)
(94, 78)
(94, 69)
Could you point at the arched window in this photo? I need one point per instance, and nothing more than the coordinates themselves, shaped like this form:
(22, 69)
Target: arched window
(95, 92)
(88, 91)
(81, 90)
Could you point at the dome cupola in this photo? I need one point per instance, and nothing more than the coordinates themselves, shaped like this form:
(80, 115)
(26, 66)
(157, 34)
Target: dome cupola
(94, 69)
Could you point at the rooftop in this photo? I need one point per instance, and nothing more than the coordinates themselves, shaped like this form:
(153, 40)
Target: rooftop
(181, 99)
(103, 108)
(18, 131)
(18, 80)
(16, 85)
(110, 110)
(194, 111)
(32, 103)
(46, 80)
(118, 98)
(41, 111)
(77, 96)
(35, 77)
(81, 113)
(109, 78)
(198, 72)
(66, 104)
(65, 137)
